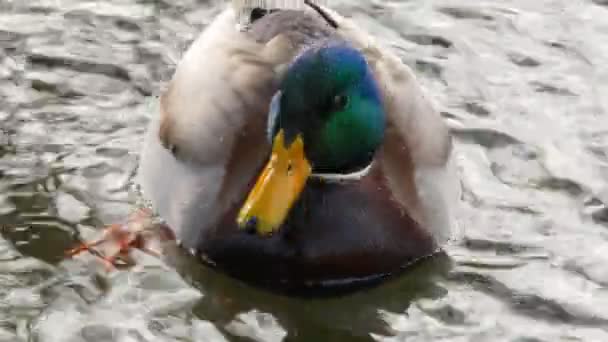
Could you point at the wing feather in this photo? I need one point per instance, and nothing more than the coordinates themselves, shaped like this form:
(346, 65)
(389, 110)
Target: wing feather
(416, 157)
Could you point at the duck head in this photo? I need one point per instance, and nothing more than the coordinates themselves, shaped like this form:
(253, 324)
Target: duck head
(326, 118)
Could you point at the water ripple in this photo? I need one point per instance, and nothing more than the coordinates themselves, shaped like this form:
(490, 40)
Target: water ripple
(521, 84)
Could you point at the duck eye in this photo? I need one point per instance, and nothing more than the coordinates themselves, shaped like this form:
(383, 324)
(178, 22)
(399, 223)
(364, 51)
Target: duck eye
(340, 102)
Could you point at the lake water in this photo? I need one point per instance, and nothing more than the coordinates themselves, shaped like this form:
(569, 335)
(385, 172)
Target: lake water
(522, 84)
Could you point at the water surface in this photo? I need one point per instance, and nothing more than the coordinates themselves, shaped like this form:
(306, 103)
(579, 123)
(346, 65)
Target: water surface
(522, 84)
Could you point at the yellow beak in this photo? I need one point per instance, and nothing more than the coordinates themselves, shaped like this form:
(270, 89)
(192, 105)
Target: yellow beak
(277, 188)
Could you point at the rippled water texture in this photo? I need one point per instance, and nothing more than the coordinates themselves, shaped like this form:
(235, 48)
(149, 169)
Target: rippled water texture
(522, 83)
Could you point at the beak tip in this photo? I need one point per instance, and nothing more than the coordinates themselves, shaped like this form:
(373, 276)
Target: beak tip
(250, 225)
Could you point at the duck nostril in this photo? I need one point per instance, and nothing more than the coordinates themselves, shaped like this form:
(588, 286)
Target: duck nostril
(289, 168)
(251, 225)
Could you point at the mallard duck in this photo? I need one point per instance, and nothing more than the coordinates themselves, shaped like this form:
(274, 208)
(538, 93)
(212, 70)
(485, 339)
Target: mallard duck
(296, 149)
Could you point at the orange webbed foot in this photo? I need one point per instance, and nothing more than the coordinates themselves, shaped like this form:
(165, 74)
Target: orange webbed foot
(119, 239)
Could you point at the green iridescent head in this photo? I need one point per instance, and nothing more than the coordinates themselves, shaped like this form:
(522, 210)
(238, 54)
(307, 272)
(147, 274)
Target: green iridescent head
(330, 97)
(327, 117)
